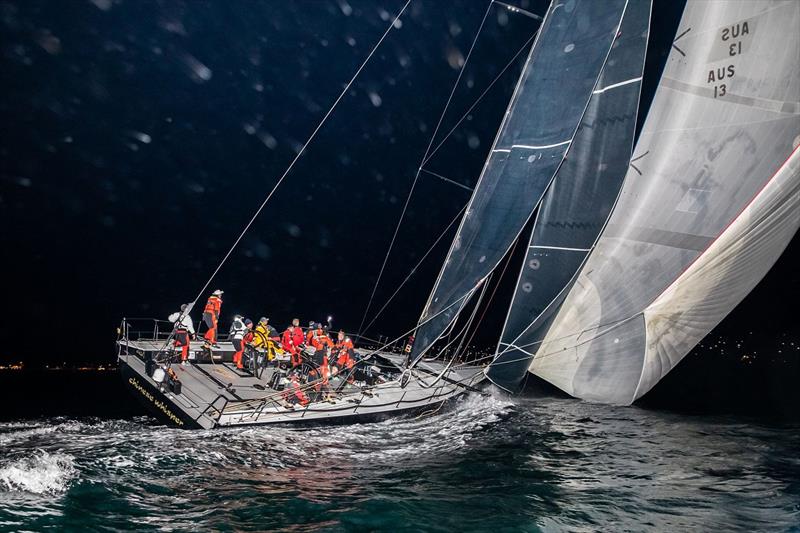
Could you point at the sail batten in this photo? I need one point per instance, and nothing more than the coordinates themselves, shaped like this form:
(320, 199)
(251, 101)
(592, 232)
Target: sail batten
(562, 70)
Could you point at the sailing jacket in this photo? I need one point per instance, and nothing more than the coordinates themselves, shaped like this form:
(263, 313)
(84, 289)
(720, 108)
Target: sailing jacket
(213, 306)
(237, 329)
(292, 338)
(182, 322)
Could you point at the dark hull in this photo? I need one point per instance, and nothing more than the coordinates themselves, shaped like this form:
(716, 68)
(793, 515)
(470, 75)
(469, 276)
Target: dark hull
(156, 402)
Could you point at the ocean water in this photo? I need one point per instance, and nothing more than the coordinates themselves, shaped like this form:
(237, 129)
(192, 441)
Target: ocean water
(482, 464)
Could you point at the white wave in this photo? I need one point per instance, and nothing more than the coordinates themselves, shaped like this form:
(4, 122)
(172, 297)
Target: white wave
(21, 432)
(40, 473)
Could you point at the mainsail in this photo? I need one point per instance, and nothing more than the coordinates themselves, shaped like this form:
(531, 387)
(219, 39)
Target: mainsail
(710, 201)
(552, 94)
(579, 200)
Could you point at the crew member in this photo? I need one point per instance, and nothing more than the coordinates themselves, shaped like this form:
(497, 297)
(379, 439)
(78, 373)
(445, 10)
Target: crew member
(293, 341)
(310, 332)
(322, 373)
(238, 329)
(294, 393)
(184, 331)
(345, 352)
(211, 317)
(319, 338)
(265, 337)
(247, 339)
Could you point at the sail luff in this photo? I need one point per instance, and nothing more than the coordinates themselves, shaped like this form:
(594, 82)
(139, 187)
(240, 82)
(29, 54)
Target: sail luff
(582, 194)
(527, 152)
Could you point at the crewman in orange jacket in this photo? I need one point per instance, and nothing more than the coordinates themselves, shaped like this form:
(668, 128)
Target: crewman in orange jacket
(310, 332)
(293, 340)
(344, 351)
(211, 316)
(321, 376)
(320, 339)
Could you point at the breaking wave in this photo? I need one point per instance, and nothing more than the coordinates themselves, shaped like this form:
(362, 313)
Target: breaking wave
(38, 473)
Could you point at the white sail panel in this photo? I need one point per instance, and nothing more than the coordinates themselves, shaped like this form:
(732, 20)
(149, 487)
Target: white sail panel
(712, 160)
(720, 278)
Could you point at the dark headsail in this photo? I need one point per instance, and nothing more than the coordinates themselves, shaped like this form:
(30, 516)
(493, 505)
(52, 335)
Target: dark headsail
(550, 99)
(579, 201)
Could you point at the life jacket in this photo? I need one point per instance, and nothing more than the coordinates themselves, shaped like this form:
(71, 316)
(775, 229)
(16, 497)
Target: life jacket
(292, 339)
(213, 305)
(238, 329)
(344, 349)
(319, 340)
(260, 336)
(297, 335)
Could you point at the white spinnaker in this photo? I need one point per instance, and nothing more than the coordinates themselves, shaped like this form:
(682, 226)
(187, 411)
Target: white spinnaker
(707, 207)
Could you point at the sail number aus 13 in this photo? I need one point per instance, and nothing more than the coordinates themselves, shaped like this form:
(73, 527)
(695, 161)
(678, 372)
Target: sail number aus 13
(732, 37)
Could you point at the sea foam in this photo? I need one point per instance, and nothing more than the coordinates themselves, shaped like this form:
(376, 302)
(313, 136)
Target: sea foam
(39, 473)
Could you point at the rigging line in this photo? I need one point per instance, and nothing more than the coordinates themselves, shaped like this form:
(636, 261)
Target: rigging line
(461, 334)
(428, 319)
(302, 149)
(430, 155)
(494, 291)
(610, 326)
(296, 158)
(448, 180)
(413, 270)
(419, 169)
(476, 102)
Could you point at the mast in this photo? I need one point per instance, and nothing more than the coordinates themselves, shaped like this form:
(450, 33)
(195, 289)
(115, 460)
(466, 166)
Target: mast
(579, 200)
(551, 96)
(710, 201)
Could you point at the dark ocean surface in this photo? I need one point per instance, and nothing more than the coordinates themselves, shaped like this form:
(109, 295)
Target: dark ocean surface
(485, 463)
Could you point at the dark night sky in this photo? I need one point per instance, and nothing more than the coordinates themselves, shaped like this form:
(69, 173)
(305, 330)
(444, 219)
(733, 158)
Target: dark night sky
(138, 138)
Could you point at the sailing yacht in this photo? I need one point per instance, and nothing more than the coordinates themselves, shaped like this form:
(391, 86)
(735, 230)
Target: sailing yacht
(636, 252)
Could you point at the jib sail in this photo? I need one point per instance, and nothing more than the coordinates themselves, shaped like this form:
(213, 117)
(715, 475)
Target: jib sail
(552, 94)
(710, 201)
(578, 202)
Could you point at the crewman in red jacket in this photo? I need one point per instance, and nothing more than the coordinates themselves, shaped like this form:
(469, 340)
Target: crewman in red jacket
(294, 393)
(211, 316)
(292, 341)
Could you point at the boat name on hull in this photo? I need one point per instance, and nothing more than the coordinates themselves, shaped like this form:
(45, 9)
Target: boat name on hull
(160, 405)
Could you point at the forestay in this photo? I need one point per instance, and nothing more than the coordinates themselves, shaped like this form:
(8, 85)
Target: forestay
(548, 103)
(579, 200)
(709, 203)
